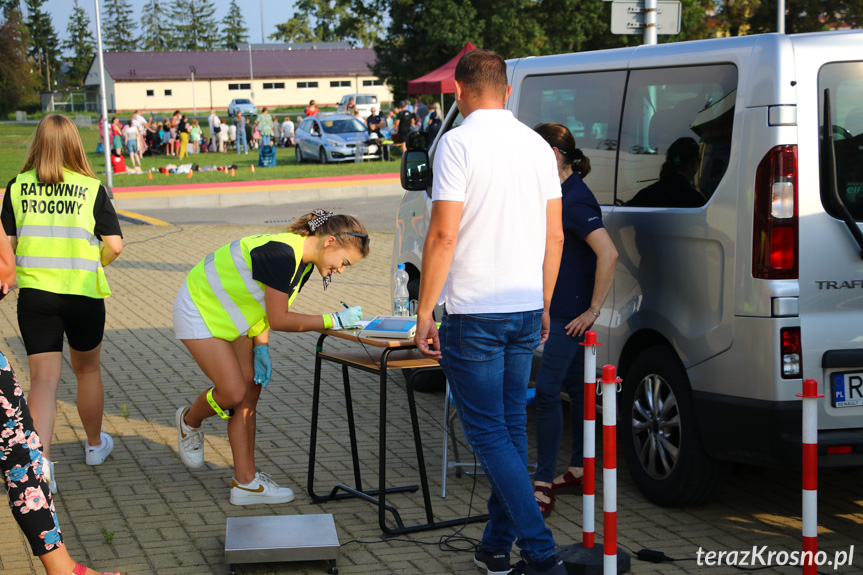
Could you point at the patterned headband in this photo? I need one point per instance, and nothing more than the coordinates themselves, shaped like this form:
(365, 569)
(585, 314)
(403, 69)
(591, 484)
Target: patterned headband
(320, 219)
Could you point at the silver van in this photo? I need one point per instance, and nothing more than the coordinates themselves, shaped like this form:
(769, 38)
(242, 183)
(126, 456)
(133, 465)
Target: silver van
(719, 309)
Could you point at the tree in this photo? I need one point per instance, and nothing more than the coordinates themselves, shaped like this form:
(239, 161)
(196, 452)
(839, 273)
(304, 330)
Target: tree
(80, 43)
(16, 78)
(7, 6)
(44, 47)
(331, 21)
(800, 16)
(153, 38)
(194, 25)
(414, 45)
(234, 31)
(118, 27)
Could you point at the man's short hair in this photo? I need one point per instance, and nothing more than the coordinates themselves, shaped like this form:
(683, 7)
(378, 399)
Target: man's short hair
(483, 73)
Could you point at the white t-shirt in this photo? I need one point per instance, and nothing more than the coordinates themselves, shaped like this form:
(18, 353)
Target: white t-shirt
(131, 132)
(287, 129)
(505, 174)
(213, 121)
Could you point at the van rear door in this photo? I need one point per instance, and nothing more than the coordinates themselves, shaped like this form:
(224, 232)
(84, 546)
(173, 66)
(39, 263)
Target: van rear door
(830, 264)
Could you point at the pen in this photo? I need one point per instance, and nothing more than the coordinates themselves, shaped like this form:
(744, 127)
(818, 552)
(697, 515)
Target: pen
(346, 305)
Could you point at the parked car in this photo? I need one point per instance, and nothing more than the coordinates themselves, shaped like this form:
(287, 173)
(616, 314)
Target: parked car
(717, 312)
(243, 105)
(363, 102)
(332, 138)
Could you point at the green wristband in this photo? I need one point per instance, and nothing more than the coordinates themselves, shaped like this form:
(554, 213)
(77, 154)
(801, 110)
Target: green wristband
(328, 321)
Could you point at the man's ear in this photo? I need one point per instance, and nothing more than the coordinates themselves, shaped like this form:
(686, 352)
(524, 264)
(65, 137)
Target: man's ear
(508, 94)
(459, 90)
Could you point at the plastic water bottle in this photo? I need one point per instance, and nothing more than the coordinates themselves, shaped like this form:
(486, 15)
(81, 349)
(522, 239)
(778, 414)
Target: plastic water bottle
(400, 294)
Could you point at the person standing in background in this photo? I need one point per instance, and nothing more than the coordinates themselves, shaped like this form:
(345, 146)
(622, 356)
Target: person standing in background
(265, 127)
(183, 133)
(130, 137)
(240, 123)
(311, 109)
(215, 125)
(287, 132)
(491, 255)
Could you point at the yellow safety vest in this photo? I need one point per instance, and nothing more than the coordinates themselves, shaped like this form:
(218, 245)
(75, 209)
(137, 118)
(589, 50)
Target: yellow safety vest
(57, 250)
(231, 302)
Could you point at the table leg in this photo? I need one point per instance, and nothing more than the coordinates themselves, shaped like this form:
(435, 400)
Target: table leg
(352, 430)
(313, 435)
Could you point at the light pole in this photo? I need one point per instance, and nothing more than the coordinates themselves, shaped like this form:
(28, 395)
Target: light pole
(194, 106)
(251, 74)
(780, 16)
(106, 138)
(263, 38)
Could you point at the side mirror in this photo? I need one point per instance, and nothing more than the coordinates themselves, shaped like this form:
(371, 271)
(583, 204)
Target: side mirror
(416, 170)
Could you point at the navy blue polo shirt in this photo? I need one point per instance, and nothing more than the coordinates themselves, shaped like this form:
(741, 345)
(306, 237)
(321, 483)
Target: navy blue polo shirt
(581, 216)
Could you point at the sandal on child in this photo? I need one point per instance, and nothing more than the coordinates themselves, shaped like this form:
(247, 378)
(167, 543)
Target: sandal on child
(81, 570)
(570, 481)
(544, 508)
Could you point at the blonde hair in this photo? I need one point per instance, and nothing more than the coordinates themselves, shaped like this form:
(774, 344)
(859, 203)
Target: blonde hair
(56, 146)
(339, 226)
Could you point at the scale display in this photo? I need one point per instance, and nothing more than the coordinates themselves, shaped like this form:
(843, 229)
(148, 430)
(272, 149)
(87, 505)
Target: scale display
(391, 326)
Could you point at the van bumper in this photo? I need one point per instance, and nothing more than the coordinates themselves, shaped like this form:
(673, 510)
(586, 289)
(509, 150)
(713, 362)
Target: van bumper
(766, 432)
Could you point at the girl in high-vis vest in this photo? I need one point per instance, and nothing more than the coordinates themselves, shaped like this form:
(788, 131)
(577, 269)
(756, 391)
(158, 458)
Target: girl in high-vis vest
(64, 230)
(222, 314)
(22, 463)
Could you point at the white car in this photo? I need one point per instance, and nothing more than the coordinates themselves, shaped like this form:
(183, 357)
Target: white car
(363, 102)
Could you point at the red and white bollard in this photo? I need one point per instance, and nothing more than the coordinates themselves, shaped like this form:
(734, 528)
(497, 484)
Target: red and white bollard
(810, 397)
(609, 467)
(589, 485)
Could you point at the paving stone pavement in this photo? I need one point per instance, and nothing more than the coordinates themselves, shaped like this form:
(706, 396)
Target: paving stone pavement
(144, 512)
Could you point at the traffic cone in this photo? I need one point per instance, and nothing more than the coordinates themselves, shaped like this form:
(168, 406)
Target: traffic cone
(232, 172)
(149, 175)
(190, 174)
(253, 168)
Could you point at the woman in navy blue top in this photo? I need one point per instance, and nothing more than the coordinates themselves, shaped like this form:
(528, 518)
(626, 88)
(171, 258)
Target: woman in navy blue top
(584, 280)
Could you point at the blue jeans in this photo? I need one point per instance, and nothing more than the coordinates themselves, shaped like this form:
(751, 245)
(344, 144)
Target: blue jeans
(487, 359)
(241, 139)
(265, 140)
(562, 369)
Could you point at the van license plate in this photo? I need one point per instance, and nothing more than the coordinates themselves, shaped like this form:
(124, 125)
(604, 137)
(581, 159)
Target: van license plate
(847, 389)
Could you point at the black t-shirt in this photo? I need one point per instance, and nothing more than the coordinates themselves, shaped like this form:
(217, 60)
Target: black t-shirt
(375, 119)
(107, 223)
(404, 117)
(273, 264)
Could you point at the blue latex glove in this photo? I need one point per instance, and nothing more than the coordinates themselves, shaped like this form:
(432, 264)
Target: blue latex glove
(263, 365)
(348, 317)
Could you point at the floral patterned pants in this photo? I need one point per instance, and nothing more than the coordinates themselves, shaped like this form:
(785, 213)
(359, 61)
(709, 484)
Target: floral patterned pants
(21, 462)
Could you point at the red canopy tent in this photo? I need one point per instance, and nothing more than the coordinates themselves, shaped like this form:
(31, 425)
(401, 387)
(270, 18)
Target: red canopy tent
(440, 81)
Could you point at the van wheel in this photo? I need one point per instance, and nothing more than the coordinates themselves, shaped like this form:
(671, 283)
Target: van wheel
(659, 436)
(322, 155)
(299, 153)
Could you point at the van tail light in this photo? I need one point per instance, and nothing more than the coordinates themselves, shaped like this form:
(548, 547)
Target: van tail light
(775, 237)
(791, 352)
(839, 449)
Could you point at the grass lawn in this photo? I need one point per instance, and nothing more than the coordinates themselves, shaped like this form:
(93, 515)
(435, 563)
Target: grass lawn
(15, 139)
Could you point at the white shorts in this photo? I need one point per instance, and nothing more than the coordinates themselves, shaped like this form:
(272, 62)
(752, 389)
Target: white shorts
(188, 323)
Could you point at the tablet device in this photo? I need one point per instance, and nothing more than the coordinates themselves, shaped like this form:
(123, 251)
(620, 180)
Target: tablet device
(391, 326)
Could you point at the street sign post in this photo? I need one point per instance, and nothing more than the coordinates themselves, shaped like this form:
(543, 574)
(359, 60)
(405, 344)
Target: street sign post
(628, 17)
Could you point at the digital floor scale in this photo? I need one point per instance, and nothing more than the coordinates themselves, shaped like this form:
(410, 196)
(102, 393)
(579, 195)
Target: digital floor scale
(391, 327)
(277, 538)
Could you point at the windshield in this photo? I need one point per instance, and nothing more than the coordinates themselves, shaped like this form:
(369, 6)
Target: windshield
(346, 126)
(845, 82)
(366, 100)
(243, 102)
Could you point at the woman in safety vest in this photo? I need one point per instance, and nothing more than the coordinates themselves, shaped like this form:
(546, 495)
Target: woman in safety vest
(222, 314)
(64, 230)
(22, 462)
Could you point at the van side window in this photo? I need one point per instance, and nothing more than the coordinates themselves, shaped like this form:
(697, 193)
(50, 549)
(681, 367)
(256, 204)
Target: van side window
(676, 135)
(589, 105)
(845, 81)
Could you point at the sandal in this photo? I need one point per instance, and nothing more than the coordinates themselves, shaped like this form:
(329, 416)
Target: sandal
(544, 508)
(81, 570)
(569, 481)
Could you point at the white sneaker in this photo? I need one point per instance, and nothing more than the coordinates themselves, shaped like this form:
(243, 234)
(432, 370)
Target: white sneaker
(48, 474)
(190, 441)
(262, 489)
(96, 455)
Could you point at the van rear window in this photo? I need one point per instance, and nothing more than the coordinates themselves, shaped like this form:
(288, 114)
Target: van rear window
(845, 82)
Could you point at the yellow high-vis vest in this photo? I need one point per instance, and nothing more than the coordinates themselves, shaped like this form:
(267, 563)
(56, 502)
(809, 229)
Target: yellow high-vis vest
(57, 249)
(231, 302)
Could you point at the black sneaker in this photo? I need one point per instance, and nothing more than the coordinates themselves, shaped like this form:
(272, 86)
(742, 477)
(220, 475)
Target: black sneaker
(525, 568)
(493, 563)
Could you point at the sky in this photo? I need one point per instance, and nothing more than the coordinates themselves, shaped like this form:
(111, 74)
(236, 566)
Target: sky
(277, 12)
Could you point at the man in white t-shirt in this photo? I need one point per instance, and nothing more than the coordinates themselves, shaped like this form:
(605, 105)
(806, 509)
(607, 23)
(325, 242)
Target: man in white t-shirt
(214, 122)
(492, 254)
(287, 132)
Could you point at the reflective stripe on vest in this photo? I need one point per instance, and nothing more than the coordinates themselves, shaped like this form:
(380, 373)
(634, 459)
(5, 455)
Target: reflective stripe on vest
(231, 302)
(57, 248)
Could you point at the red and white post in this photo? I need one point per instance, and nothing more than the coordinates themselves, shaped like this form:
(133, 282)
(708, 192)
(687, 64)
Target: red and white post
(609, 467)
(589, 486)
(810, 397)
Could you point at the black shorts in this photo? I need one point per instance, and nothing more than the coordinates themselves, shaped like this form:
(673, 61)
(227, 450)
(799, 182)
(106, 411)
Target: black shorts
(44, 317)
